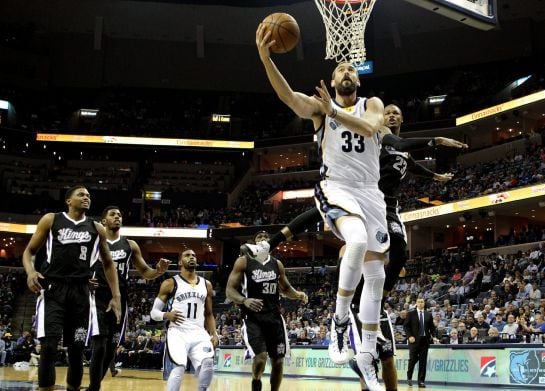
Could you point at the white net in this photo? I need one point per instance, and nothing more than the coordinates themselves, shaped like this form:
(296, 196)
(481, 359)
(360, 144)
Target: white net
(345, 22)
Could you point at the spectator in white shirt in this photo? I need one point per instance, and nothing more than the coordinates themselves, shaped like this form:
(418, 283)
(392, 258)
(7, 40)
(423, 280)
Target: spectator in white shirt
(511, 327)
(535, 293)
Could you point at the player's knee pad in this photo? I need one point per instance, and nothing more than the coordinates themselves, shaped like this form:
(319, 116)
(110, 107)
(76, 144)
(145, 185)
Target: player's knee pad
(374, 275)
(206, 373)
(175, 378)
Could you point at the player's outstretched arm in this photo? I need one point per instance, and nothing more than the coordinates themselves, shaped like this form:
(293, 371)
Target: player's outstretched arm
(209, 320)
(286, 288)
(36, 241)
(141, 265)
(302, 105)
(449, 142)
(416, 143)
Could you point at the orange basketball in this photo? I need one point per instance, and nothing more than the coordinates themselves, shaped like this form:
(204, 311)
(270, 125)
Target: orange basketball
(284, 30)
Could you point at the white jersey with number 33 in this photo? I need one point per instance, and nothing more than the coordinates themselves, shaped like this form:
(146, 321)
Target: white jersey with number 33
(347, 156)
(190, 300)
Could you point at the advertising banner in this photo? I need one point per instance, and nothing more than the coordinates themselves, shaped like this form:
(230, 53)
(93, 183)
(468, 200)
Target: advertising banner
(524, 365)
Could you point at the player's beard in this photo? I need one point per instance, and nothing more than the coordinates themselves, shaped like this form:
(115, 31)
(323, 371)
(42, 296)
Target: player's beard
(191, 267)
(346, 89)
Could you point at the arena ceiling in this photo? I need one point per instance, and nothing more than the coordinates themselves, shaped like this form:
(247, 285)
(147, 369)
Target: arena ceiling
(229, 21)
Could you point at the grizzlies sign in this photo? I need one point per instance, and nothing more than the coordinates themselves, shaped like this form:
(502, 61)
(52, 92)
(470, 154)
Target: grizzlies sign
(527, 366)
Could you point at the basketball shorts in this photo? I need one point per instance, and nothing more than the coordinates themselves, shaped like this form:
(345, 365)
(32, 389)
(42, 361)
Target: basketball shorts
(182, 344)
(266, 333)
(385, 347)
(336, 199)
(104, 323)
(63, 310)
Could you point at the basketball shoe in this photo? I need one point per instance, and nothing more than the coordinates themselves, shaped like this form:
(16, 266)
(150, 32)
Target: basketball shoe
(338, 347)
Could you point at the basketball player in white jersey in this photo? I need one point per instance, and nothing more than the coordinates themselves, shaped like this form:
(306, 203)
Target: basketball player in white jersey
(191, 325)
(348, 196)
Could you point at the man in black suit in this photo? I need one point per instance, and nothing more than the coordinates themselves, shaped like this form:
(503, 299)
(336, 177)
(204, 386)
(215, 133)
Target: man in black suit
(419, 328)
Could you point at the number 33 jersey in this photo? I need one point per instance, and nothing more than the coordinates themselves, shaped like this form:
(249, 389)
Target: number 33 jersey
(261, 282)
(347, 156)
(190, 300)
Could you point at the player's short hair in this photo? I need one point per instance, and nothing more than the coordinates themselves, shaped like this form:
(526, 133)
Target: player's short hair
(183, 251)
(260, 232)
(71, 191)
(107, 209)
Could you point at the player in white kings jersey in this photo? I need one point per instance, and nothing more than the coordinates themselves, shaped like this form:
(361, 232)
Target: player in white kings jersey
(191, 325)
(348, 196)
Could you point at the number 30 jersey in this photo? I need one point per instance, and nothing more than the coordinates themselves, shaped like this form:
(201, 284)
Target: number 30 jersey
(346, 155)
(190, 300)
(261, 282)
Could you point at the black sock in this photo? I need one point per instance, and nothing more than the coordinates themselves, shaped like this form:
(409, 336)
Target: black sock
(304, 221)
(256, 384)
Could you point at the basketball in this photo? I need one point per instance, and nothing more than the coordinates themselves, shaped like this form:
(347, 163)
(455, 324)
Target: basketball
(284, 30)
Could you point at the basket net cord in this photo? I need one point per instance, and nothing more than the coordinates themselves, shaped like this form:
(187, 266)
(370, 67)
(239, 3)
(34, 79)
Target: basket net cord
(345, 24)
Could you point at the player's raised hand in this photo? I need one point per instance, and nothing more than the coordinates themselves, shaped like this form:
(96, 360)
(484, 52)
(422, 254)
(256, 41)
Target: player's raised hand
(162, 265)
(324, 99)
(175, 317)
(443, 177)
(449, 142)
(33, 282)
(263, 41)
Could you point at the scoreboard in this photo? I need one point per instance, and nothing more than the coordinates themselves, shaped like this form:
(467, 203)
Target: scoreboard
(481, 14)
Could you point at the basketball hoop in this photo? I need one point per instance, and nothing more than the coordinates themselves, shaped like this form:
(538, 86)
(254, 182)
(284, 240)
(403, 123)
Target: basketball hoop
(345, 22)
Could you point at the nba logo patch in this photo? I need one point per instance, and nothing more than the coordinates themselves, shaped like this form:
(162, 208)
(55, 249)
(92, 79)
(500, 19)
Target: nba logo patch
(227, 360)
(542, 356)
(488, 366)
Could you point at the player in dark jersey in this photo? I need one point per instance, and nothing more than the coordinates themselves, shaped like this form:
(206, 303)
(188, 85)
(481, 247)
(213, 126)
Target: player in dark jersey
(262, 279)
(73, 244)
(394, 166)
(106, 332)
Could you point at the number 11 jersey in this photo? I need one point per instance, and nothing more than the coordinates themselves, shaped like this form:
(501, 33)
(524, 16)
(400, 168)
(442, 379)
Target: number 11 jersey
(190, 300)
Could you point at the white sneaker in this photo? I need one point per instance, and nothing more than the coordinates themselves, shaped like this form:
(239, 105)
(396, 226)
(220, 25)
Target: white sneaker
(338, 346)
(368, 365)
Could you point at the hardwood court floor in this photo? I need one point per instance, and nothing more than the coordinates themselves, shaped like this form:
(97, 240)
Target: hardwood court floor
(129, 379)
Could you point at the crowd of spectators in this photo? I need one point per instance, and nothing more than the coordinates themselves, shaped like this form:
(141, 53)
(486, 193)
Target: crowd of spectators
(12, 283)
(481, 179)
(493, 299)
(43, 179)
